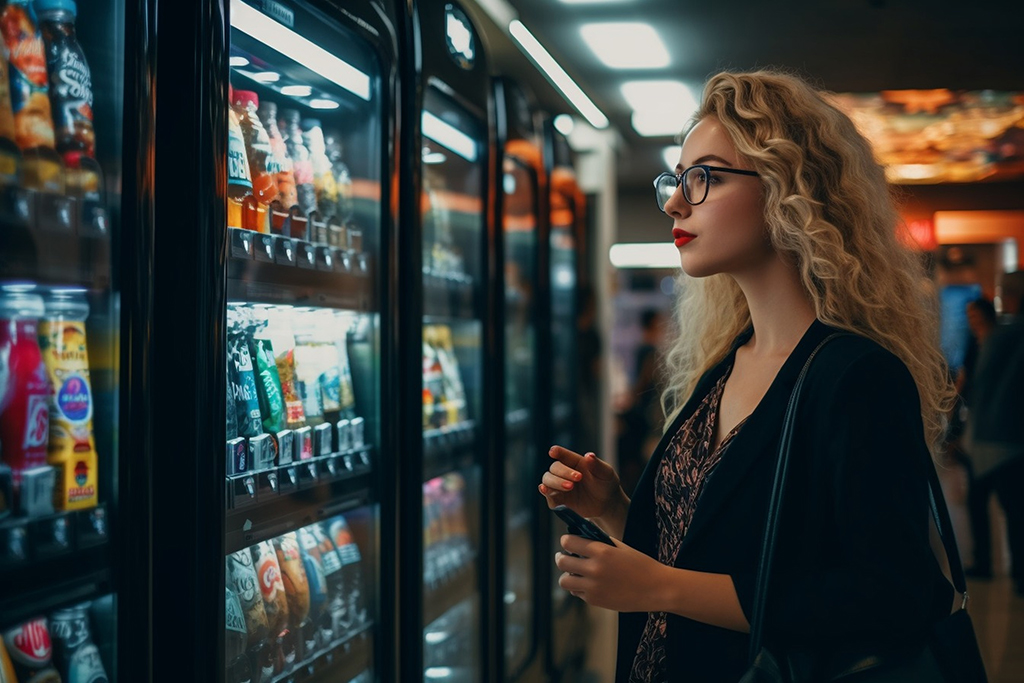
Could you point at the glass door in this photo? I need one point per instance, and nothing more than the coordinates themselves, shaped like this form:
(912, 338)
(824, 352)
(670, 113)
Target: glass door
(305, 171)
(61, 145)
(519, 185)
(453, 220)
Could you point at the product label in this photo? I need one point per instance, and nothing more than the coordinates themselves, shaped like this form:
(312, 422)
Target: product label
(71, 630)
(233, 617)
(37, 422)
(270, 578)
(72, 91)
(238, 165)
(30, 643)
(30, 100)
(85, 666)
(73, 399)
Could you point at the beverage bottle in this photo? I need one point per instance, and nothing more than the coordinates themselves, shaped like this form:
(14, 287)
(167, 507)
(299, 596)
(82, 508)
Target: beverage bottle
(318, 596)
(72, 448)
(24, 404)
(351, 570)
(342, 177)
(257, 150)
(301, 160)
(279, 163)
(240, 200)
(74, 652)
(293, 575)
(333, 624)
(323, 174)
(10, 156)
(30, 98)
(31, 652)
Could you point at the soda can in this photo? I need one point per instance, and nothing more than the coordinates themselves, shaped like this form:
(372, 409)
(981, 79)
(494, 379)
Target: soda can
(31, 652)
(74, 652)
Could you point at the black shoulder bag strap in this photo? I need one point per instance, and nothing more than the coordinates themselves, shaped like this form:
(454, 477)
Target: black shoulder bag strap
(940, 513)
(775, 504)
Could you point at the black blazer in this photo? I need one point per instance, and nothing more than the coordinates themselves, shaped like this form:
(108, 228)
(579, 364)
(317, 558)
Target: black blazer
(853, 565)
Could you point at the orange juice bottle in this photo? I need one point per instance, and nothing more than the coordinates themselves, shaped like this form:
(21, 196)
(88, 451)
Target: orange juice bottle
(239, 178)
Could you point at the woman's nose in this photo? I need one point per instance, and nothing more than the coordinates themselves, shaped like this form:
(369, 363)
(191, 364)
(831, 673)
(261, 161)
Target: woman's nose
(677, 206)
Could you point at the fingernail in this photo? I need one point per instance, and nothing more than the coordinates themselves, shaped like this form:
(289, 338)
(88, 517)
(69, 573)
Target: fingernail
(567, 485)
(591, 455)
(577, 476)
(541, 488)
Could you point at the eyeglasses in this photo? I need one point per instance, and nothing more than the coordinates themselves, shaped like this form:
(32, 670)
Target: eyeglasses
(695, 181)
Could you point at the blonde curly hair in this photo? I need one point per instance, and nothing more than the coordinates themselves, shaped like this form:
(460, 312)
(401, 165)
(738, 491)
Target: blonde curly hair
(828, 206)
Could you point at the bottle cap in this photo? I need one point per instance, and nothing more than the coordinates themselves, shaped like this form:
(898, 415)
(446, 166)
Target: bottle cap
(68, 301)
(20, 300)
(244, 98)
(42, 6)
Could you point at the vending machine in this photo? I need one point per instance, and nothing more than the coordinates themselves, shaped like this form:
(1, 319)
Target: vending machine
(448, 336)
(69, 213)
(522, 421)
(276, 329)
(567, 622)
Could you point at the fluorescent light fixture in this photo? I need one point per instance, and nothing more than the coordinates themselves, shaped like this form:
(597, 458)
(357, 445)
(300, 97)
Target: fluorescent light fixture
(564, 277)
(564, 124)
(557, 75)
(238, 61)
(659, 107)
(626, 45)
(266, 76)
(644, 255)
(321, 103)
(254, 23)
(437, 672)
(297, 90)
(435, 637)
(671, 156)
(588, 2)
(449, 137)
(434, 158)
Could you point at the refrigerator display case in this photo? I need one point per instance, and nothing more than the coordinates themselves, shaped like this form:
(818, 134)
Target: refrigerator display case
(522, 422)
(566, 215)
(279, 307)
(63, 90)
(446, 331)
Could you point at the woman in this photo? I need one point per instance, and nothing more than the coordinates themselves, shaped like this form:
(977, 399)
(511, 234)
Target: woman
(786, 233)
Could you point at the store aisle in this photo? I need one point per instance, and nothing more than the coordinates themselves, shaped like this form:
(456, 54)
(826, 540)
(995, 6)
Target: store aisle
(997, 612)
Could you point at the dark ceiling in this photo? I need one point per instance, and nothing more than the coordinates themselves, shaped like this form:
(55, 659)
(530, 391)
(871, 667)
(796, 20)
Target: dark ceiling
(840, 45)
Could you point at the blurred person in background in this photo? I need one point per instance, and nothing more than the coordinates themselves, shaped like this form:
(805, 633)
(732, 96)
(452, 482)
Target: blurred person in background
(786, 231)
(994, 439)
(642, 417)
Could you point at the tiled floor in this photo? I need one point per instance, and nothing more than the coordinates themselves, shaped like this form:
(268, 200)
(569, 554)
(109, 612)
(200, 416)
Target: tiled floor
(996, 611)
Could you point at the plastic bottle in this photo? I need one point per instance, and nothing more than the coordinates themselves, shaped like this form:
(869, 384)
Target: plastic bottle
(30, 98)
(72, 448)
(323, 175)
(259, 155)
(301, 160)
(342, 176)
(279, 163)
(24, 403)
(239, 178)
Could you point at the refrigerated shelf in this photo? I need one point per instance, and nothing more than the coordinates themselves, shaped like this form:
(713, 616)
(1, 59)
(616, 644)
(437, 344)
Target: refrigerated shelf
(449, 449)
(342, 660)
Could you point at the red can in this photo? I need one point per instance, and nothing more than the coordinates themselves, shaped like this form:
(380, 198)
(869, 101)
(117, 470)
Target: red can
(25, 386)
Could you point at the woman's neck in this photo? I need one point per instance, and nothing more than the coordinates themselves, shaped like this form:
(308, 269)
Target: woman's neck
(780, 309)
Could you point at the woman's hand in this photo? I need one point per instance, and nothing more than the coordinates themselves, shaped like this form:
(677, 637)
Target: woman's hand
(620, 578)
(583, 483)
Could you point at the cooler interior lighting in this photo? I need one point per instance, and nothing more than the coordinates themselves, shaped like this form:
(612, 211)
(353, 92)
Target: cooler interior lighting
(449, 137)
(254, 23)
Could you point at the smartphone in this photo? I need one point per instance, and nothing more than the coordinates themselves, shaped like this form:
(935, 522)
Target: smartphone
(581, 526)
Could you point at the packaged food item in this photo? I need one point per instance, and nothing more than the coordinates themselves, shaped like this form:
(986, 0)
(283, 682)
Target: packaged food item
(31, 652)
(74, 652)
(268, 571)
(268, 385)
(25, 393)
(279, 163)
(313, 563)
(241, 575)
(301, 161)
(72, 448)
(277, 329)
(310, 364)
(243, 379)
(30, 98)
(231, 430)
(10, 156)
(240, 199)
(293, 575)
(236, 637)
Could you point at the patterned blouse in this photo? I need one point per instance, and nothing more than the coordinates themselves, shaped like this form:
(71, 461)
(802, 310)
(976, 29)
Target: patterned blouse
(685, 467)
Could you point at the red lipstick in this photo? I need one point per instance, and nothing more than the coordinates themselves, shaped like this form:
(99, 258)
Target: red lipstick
(682, 237)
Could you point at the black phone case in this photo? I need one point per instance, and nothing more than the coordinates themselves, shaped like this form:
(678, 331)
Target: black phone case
(581, 526)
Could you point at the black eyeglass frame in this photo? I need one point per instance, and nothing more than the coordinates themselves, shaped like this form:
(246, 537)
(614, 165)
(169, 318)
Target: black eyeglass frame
(679, 181)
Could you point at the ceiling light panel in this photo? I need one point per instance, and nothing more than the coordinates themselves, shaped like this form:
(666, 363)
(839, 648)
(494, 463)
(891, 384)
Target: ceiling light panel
(670, 155)
(626, 45)
(660, 107)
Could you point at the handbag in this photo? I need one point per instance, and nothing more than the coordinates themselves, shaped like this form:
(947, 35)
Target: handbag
(951, 653)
